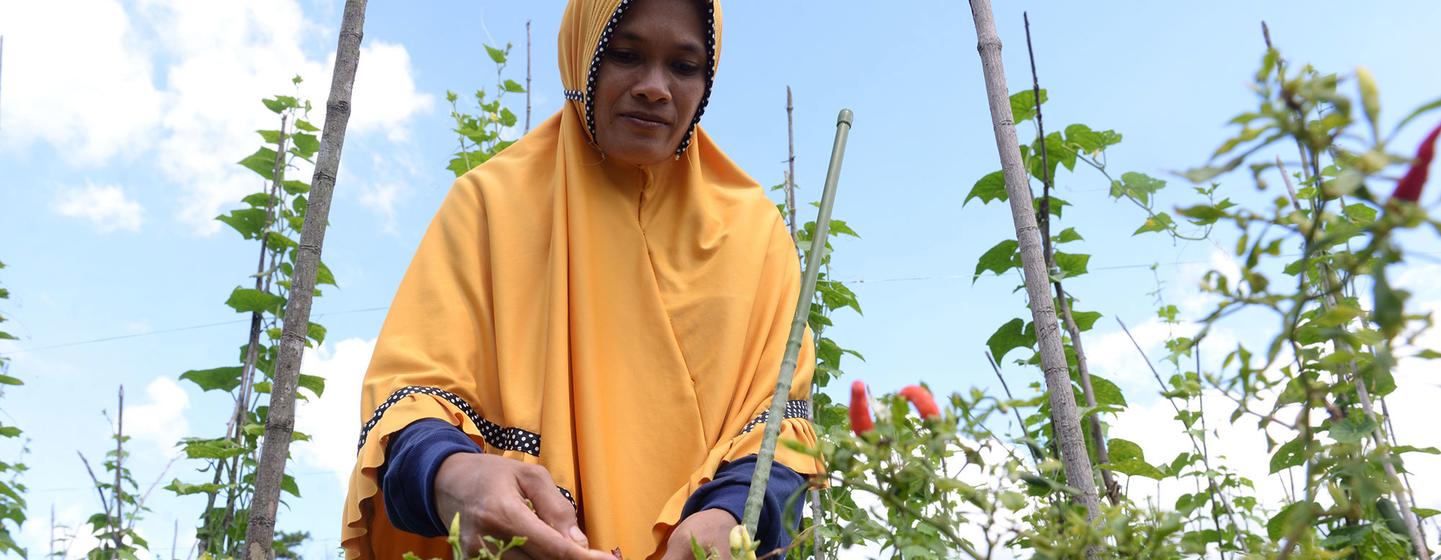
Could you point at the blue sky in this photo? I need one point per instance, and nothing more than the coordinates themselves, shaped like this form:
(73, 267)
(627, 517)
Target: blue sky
(120, 121)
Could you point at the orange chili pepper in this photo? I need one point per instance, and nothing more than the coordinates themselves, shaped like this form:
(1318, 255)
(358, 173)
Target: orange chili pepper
(861, 421)
(924, 403)
(1409, 187)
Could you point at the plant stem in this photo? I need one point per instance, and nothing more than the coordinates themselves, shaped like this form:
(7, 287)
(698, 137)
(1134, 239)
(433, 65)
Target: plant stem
(791, 162)
(527, 75)
(119, 491)
(1044, 216)
(280, 422)
(1378, 434)
(1064, 416)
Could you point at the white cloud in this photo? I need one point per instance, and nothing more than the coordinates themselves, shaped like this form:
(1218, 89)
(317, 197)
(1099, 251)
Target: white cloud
(160, 420)
(331, 420)
(105, 207)
(381, 198)
(76, 77)
(385, 98)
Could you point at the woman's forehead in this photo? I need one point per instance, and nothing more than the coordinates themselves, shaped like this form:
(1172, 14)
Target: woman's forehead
(677, 22)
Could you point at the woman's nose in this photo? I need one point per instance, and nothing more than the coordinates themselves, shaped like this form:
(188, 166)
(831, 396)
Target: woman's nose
(652, 84)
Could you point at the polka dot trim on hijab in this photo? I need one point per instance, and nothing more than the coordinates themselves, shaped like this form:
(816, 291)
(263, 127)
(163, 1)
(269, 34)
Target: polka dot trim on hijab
(794, 409)
(588, 97)
(510, 439)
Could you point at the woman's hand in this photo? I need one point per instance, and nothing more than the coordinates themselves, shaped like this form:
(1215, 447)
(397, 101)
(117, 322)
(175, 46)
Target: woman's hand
(711, 529)
(490, 493)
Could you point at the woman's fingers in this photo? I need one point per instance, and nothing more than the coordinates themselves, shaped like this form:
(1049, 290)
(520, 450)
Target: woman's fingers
(543, 541)
(556, 511)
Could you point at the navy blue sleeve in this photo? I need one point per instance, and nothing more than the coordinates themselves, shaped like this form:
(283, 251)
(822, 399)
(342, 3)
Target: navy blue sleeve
(412, 458)
(727, 491)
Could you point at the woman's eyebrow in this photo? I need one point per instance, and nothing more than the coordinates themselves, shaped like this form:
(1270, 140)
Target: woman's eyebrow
(689, 47)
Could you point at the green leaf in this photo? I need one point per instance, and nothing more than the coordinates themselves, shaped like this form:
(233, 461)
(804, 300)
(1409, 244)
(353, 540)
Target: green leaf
(306, 145)
(1353, 429)
(513, 86)
(287, 483)
(262, 162)
(313, 383)
(270, 136)
(1139, 186)
(9, 431)
(293, 186)
(212, 448)
(275, 105)
(1008, 337)
(1068, 235)
(1127, 458)
(496, 55)
(1436, 104)
(1107, 393)
(217, 379)
(305, 125)
(1290, 454)
(1286, 520)
(1085, 319)
(247, 300)
(249, 222)
(998, 259)
(990, 187)
(1023, 105)
(7, 380)
(185, 489)
(1071, 265)
(1159, 222)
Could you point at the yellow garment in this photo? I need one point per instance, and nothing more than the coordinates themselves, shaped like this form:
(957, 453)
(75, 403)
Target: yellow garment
(621, 326)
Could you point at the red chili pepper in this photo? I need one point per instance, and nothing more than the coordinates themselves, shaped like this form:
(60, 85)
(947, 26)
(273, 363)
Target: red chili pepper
(861, 421)
(924, 403)
(1409, 187)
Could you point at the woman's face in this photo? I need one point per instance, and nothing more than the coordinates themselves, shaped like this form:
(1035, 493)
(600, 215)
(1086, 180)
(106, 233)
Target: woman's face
(651, 80)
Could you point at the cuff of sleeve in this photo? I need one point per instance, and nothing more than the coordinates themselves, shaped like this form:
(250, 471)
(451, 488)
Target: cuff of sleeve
(414, 457)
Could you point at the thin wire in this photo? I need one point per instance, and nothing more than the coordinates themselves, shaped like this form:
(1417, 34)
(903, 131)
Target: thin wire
(1431, 257)
(175, 330)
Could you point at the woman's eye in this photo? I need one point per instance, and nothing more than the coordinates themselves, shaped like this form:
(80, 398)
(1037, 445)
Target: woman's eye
(621, 56)
(686, 68)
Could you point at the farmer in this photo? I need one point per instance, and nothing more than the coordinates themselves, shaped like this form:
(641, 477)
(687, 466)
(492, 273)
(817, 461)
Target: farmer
(583, 346)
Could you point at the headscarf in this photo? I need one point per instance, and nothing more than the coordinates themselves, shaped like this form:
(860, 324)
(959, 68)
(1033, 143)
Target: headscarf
(621, 326)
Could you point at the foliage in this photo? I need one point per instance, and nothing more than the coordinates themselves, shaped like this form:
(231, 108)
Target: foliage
(951, 487)
(479, 135)
(12, 499)
(272, 217)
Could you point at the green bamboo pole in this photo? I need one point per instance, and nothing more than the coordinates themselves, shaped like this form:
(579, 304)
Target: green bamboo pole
(798, 327)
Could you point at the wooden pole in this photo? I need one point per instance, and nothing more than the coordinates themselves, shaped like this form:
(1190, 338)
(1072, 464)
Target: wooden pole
(1064, 417)
(280, 423)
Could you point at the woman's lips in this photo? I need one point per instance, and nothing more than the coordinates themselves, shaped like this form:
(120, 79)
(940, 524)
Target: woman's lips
(644, 122)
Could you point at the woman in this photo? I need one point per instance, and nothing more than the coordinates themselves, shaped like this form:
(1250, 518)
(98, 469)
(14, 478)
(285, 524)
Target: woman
(584, 344)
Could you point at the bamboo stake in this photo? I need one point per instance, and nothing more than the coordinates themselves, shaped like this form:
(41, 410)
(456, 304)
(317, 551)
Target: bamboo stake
(1093, 423)
(280, 423)
(776, 414)
(1064, 416)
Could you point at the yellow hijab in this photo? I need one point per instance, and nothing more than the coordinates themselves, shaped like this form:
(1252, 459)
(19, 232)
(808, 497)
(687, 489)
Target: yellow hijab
(620, 326)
